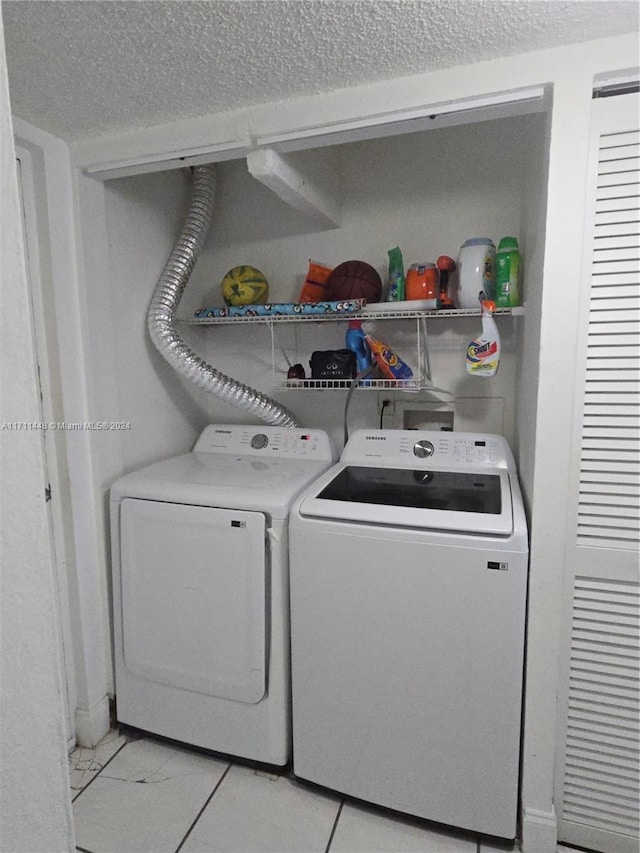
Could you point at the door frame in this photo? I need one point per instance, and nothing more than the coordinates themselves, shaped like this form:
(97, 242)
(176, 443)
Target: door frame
(49, 200)
(50, 411)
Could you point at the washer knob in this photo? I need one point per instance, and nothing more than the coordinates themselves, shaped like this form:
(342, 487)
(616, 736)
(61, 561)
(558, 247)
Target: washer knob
(423, 449)
(259, 441)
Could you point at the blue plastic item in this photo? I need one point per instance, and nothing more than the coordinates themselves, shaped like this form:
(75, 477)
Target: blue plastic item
(355, 340)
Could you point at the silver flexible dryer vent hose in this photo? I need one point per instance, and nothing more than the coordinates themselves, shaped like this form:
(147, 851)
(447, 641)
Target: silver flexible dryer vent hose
(165, 300)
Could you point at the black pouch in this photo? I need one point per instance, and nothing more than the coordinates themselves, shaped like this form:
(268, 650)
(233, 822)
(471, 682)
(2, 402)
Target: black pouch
(339, 364)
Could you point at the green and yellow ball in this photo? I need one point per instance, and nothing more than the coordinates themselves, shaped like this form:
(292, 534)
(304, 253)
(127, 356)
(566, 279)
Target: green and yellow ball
(245, 286)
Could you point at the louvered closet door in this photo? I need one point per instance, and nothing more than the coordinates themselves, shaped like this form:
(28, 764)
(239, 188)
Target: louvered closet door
(597, 777)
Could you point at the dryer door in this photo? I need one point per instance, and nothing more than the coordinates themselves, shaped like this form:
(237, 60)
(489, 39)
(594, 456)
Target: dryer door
(193, 597)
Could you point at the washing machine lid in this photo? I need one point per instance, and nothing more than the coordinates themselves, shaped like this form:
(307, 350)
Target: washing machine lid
(260, 468)
(430, 480)
(477, 502)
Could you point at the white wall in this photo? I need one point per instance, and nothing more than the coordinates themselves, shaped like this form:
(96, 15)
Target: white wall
(426, 192)
(533, 217)
(144, 217)
(564, 227)
(35, 799)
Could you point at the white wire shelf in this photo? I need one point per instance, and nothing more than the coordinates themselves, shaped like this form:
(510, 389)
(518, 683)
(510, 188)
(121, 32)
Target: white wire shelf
(395, 314)
(342, 384)
(422, 371)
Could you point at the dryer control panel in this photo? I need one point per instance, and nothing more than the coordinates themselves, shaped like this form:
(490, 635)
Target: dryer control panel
(418, 448)
(268, 441)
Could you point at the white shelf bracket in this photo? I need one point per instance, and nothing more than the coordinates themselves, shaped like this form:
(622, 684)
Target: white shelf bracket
(293, 182)
(423, 349)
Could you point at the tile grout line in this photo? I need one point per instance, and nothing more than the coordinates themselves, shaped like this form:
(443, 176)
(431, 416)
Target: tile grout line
(334, 827)
(199, 815)
(92, 780)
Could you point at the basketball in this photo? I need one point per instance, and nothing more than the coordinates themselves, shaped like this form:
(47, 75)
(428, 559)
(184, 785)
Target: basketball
(354, 280)
(244, 286)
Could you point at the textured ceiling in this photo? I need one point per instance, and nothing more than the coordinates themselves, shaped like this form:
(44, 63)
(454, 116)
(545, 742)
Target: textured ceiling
(83, 69)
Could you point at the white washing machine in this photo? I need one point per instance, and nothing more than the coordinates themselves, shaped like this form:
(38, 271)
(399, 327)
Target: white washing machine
(200, 589)
(408, 564)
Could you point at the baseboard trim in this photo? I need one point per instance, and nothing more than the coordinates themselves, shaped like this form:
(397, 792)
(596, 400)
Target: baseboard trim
(539, 831)
(92, 725)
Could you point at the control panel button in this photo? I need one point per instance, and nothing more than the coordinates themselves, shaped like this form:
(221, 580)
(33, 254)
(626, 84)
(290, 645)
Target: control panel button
(259, 441)
(423, 449)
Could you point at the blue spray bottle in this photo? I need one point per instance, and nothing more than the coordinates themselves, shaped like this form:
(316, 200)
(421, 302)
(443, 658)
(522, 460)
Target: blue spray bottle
(355, 340)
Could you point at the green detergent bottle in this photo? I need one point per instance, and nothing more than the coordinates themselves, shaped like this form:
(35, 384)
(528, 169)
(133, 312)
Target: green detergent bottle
(508, 273)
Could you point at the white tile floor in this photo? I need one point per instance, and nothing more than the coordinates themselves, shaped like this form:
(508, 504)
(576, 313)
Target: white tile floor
(139, 795)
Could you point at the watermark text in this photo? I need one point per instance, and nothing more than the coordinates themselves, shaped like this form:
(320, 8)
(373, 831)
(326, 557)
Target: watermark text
(17, 426)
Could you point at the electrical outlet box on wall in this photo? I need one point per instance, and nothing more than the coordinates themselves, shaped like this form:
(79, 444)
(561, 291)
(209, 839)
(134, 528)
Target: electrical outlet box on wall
(416, 412)
(462, 414)
(429, 420)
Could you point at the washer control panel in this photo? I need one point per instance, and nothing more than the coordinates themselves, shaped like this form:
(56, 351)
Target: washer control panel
(409, 448)
(268, 441)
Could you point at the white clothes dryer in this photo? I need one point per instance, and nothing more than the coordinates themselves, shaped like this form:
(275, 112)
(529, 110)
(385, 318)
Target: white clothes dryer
(200, 589)
(408, 591)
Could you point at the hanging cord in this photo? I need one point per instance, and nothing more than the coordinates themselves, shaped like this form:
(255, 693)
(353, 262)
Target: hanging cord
(352, 388)
(385, 404)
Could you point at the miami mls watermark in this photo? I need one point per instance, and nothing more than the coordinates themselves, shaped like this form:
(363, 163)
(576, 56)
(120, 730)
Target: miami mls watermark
(17, 426)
